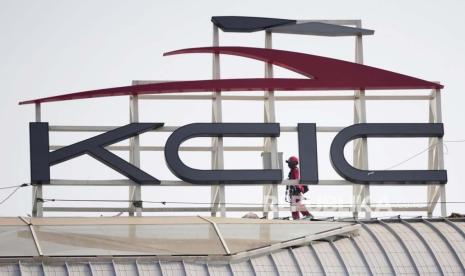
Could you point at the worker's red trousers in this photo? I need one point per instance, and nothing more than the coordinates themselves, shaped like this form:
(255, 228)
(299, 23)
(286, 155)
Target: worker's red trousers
(297, 207)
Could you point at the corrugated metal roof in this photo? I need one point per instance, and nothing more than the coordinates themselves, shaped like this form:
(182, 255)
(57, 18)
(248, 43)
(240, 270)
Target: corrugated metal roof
(387, 247)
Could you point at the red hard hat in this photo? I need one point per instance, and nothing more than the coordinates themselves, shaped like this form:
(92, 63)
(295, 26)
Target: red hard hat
(293, 159)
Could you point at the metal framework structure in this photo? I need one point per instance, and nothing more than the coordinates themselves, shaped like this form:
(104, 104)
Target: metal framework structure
(361, 193)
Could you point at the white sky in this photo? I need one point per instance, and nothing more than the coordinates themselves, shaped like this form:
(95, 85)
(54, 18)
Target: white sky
(55, 47)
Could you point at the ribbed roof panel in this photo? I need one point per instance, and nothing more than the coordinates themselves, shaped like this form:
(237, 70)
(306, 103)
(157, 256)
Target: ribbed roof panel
(429, 247)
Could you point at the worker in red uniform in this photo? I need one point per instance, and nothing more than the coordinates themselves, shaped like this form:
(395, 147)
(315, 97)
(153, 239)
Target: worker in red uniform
(295, 191)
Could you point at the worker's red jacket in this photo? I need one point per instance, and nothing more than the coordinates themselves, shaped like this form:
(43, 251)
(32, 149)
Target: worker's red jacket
(295, 174)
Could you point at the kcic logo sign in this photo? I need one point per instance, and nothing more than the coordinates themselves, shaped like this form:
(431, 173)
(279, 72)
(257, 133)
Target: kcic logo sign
(42, 159)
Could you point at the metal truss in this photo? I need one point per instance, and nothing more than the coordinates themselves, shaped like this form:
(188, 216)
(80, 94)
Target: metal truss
(361, 193)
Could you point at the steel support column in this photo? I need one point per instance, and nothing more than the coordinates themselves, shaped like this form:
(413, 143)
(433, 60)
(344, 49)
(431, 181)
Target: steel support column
(270, 192)
(361, 193)
(218, 193)
(37, 194)
(436, 157)
(135, 193)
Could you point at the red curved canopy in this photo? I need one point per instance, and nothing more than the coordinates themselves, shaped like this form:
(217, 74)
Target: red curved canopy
(325, 74)
(320, 68)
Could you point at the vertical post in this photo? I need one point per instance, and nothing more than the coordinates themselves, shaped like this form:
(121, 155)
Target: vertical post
(218, 194)
(37, 194)
(431, 189)
(440, 152)
(361, 193)
(436, 157)
(443, 200)
(135, 193)
(270, 192)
